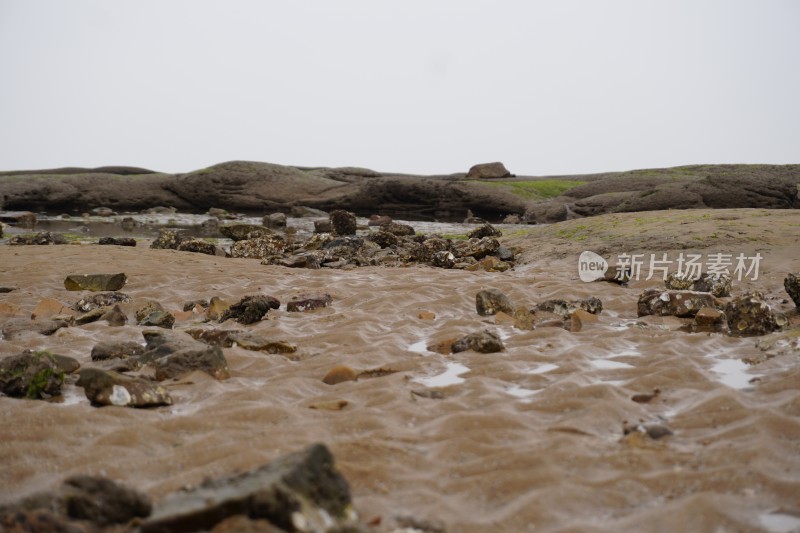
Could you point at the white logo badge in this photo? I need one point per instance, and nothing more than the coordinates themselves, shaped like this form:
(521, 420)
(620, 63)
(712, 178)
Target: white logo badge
(591, 266)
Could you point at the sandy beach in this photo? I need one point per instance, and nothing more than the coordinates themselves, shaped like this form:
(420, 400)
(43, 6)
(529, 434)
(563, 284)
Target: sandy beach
(528, 439)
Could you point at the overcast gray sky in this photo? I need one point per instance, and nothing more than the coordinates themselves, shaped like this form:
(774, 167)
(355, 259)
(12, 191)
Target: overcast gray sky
(420, 86)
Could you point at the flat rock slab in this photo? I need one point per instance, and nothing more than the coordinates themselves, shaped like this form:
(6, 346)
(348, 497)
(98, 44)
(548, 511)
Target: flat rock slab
(95, 282)
(298, 492)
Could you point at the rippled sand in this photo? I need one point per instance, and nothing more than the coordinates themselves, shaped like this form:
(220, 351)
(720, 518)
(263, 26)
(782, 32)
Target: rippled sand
(525, 440)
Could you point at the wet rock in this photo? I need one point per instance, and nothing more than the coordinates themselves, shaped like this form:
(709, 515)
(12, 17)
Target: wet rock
(98, 501)
(90, 316)
(487, 230)
(210, 225)
(314, 303)
(492, 301)
(16, 327)
(674, 303)
(128, 224)
(333, 405)
(653, 431)
(23, 219)
(512, 219)
(379, 220)
(488, 264)
(225, 338)
(565, 308)
(579, 318)
(426, 315)
(102, 299)
(115, 317)
(216, 308)
(243, 232)
(168, 239)
(343, 223)
(323, 226)
(199, 246)
(431, 394)
(718, 285)
(482, 342)
(299, 492)
(258, 248)
(117, 241)
(193, 304)
(5, 290)
(297, 261)
(710, 320)
(384, 239)
(750, 314)
(175, 355)
(792, 286)
(399, 230)
(274, 220)
(443, 259)
(505, 254)
(95, 282)
(488, 171)
(116, 350)
(677, 281)
(32, 375)
(48, 308)
(250, 309)
(419, 525)
(41, 238)
(340, 374)
(477, 248)
(40, 521)
(645, 398)
(780, 343)
(159, 319)
(112, 388)
(221, 214)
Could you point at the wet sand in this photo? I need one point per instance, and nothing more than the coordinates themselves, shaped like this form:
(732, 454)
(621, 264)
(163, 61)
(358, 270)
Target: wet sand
(527, 439)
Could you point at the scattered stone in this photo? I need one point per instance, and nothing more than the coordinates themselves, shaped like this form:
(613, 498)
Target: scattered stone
(398, 230)
(492, 301)
(194, 304)
(299, 492)
(343, 223)
(116, 350)
(250, 309)
(199, 246)
(493, 170)
(258, 248)
(128, 224)
(426, 315)
(339, 374)
(274, 220)
(41, 238)
(102, 299)
(168, 239)
(4, 290)
(523, 319)
(33, 375)
(579, 318)
(243, 232)
(780, 343)
(384, 239)
(564, 308)
(419, 525)
(379, 220)
(117, 241)
(210, 225)
(653, 431)
(646, 398)
(216, 308)
(323, 226)
(431, 394)
(298, 261)
(90, 316)
(97, 500)
(23, 219)
(112, 388)
(674, 303)
(95, 282)
(478, 248)
(710, 320)
(14, 328)
(792, 286)
(221, 214)
(302, 305)
(750, 314)
(225, 338)
(175, 355)
(146, 309)
(48, 308)
(718, 285)
(677, 281)
(487, 230)
(482, 342)
(444, 259)
(159, 319)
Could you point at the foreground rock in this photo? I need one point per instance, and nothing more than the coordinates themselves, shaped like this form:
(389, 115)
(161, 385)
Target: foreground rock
(482, 342)
(112, 388)
(299, 492)
(41, 238)
(674, 303)
(750, 314)
(492, 301)
(792, 286)
(174, 355)
(97, 500)
(35, 375)
(250, 309)
(95, 282)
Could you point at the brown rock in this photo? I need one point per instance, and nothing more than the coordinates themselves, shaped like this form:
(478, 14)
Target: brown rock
(426, 315)
(95, 282)
(339, 374)
(482, 342)
(709, 319)
(333, 405)
(675, 303)
(343, 223)
(493, 170)
(48, 308)
(313, 303)
(216, 308)
(492, 301)
(112, 388)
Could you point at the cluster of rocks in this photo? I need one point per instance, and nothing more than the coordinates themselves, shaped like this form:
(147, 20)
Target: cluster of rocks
(706, 304)
(302, 491)
(337, 244)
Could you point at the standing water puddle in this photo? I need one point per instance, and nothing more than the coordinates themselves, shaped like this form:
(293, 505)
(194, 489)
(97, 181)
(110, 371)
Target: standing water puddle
(449, 377)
